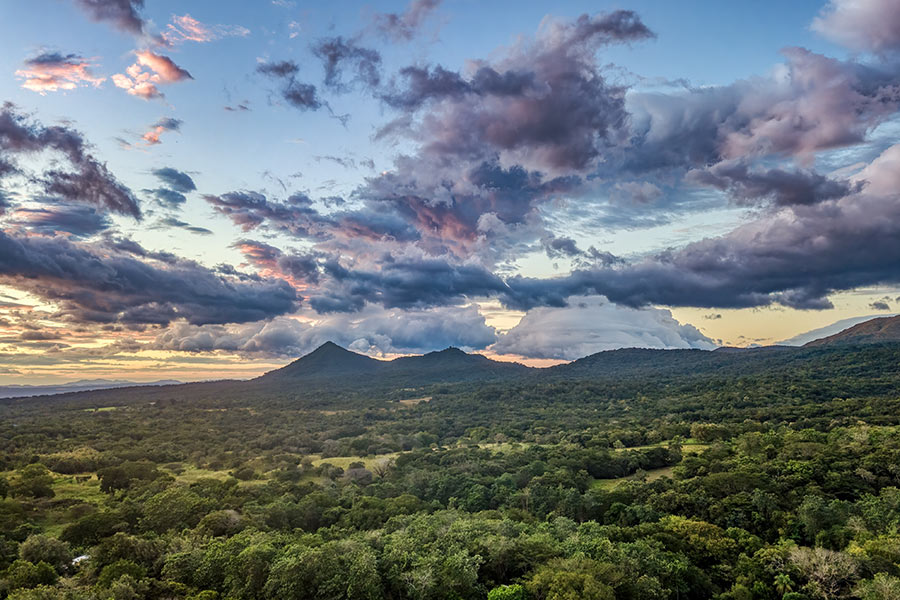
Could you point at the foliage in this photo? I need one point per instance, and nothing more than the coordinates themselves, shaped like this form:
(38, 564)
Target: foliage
(764, 476)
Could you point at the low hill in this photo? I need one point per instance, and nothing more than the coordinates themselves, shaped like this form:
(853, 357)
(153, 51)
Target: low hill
(875, 331)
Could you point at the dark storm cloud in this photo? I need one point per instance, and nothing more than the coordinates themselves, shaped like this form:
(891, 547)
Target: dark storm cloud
(93, 283)
(250, 210)
(405, 25)
(559, 247)
(298, 217)
(300, 95)
(451, 204)
(296, 267)
(167, 198)
(175, 179)
(123, 14)
(784, 188)
(422, 84)
(78, 220)
(546, 104)
(338, 54)
(89, 183)
(404, 282)
(796, 256)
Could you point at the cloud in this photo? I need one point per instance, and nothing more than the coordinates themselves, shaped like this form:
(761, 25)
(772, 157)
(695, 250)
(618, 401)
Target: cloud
(122, 14)
(177, 184)
(809, 104)
(167, 198)
(795, 256)
(175, 179)
(544, 105)
(298, 217)
(404, 26)
(560, 247)
(100, 284)
(173, 223)
(374, 331)
(188, 29)
(89, 183)
(75, 219)
(299, 269)
(880, 305)
(866, 25)
(592, 324)
(153, 135)
(52, 71)
(784, 188)
(150, 69)
(337, 54)
(300, 95)
(240, 107)
(406, 282)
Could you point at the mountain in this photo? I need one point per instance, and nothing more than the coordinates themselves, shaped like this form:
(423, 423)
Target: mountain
(327, 361)
(336, 366)
(641, 362)
(874, 331)
(23, 391)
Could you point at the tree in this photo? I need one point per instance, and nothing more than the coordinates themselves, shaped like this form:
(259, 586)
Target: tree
(35, 481)
(173, 508)
(881, 587)
(830, 574)
(344, 570)
(783, 583)
(508, 592)
(121, 568)
(574, 579)
(48, 549)
(23, 574)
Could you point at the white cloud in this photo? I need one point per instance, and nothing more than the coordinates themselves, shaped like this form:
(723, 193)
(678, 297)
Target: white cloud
(593, 324)
(373, 331)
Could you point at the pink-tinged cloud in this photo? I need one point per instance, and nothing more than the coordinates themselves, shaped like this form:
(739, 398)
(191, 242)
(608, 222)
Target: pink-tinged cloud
(141, 89)
(163, 66)
(188, 29)
(866, 25)
(51, 72)
(141, 78)
(153, 135)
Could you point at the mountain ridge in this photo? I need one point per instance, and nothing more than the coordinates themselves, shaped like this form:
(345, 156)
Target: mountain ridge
(873, 331)
(333, 371)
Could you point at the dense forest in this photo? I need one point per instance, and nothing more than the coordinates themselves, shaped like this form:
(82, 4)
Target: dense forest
(631, 475)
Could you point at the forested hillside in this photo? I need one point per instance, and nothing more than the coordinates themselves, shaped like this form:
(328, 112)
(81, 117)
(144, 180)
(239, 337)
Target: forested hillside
(763, 474)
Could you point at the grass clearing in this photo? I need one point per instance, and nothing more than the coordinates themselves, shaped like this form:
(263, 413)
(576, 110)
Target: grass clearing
(344, 462)
(651, 475)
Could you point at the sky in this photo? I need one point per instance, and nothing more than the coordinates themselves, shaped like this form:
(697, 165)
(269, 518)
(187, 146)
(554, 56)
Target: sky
(210, 189)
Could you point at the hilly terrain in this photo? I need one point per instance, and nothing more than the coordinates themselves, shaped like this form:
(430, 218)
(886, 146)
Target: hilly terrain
(875, 331)
(632, 474)
(330, 365)
(332, 376)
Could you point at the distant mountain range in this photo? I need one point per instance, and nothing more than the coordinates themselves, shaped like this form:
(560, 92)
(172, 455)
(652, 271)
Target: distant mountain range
(330, 363)
(330, 372)
(22, 391)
